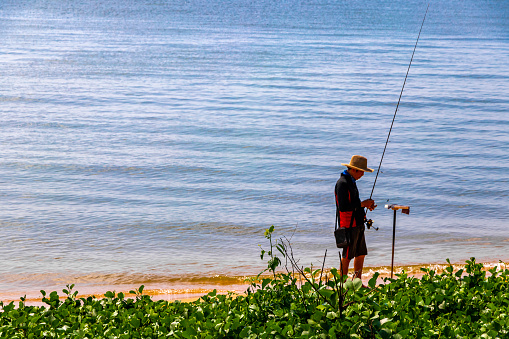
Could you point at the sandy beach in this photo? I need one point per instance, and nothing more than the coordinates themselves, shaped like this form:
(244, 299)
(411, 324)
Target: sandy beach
(191, 291)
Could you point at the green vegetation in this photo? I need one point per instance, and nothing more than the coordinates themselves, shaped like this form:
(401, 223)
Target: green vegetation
(300, 303)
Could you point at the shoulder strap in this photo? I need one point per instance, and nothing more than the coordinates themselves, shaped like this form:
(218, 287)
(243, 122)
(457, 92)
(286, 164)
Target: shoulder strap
(337, 212)
(337, 219)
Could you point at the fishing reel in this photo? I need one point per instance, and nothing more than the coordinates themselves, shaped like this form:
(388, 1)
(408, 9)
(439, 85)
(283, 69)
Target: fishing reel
(369, 224)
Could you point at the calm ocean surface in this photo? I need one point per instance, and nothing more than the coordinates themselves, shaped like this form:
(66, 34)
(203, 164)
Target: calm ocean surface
(154, 141)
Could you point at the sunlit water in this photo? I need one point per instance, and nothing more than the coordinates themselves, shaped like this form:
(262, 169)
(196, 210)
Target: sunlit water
(154, 142)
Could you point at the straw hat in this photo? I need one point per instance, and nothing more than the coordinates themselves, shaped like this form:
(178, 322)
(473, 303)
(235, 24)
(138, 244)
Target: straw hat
(359, 163)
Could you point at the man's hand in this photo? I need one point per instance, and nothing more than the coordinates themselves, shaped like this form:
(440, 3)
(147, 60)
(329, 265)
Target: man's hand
(369, 204)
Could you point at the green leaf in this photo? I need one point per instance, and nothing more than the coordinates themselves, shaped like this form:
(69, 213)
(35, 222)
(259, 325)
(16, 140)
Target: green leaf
(385, 333)
(190, 331)
(254, 307)
(372, 281)
(332, 315)
(268, 232)
(357, 284)
(265, 282)
(326, 293)
(135, 322)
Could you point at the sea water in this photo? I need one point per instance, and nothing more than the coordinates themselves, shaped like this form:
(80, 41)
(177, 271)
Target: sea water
(154, 141)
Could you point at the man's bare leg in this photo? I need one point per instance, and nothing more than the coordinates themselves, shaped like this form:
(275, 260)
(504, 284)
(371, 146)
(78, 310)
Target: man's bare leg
(345, 262)
(358, 264)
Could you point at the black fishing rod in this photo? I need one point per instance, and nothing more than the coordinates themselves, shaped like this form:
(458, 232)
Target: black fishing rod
(369, 222)
(397, 106)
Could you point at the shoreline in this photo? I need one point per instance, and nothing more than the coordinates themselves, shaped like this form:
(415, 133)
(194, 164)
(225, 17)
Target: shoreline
(188, 291)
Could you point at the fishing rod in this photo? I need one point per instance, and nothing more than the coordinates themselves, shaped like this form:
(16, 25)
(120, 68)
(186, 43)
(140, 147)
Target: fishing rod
(397, 106)
(369, 222)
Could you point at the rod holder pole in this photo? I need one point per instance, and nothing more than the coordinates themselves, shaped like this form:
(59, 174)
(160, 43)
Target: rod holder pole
(404, 210)
(393, 241)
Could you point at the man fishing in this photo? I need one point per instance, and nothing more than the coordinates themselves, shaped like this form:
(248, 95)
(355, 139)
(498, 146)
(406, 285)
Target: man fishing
(351, 213)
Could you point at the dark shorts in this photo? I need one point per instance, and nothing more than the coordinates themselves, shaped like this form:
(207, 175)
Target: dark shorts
(357, 246)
